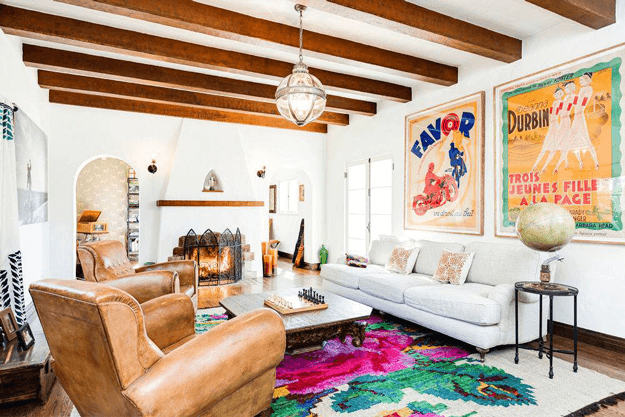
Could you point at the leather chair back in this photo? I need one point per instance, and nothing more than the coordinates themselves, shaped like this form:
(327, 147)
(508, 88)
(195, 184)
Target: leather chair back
(104, 260)
(97, 337)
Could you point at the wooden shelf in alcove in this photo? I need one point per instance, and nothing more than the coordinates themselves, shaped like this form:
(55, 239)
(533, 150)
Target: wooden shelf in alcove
(202, 203)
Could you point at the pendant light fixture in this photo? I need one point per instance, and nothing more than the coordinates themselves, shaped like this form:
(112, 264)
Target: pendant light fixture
(300, 97)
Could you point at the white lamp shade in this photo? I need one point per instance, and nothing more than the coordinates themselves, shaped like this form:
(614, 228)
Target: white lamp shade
(300, 97)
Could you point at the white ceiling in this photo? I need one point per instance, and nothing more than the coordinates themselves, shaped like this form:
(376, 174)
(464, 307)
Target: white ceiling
(499, 15)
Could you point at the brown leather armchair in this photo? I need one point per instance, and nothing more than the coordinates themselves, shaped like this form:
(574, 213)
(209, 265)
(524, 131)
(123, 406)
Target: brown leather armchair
(113, 361)
(106, 260)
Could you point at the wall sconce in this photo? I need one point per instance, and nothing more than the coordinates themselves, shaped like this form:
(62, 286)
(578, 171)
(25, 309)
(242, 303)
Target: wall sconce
(152, 167)
(261, 172)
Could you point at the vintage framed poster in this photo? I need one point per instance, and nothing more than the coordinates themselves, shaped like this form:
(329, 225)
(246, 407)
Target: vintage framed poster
(444, 167)
(558, 139)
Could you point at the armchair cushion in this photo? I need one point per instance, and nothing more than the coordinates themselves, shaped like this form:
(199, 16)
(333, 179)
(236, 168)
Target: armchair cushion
(228, 357)
(147, 285)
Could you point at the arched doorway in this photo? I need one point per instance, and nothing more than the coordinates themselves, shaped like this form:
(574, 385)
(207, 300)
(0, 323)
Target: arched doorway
(107, 203)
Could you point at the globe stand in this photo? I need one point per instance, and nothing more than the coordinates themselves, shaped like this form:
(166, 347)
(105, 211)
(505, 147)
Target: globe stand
(545, 268)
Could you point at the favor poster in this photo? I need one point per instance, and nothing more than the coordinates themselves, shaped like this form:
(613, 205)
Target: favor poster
(559, 139)
(444, 167)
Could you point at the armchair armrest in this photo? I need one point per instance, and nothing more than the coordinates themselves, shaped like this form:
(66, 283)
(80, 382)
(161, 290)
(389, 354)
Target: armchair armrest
(187, 271)
(212, 366)
(147, 285)
(169, 319)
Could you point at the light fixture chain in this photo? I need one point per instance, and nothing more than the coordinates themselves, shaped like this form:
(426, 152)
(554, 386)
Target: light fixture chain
(301, 37)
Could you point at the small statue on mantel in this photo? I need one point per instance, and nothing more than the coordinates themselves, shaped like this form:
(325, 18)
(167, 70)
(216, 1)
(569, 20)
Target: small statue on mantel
(212, 182)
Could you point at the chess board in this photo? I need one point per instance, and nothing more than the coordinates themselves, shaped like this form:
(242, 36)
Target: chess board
(299, 305)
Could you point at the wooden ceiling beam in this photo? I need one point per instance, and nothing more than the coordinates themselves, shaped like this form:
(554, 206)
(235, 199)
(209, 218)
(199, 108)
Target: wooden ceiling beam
(592, 13)
(202, 18)
(119, 70)
(46, 27)
(110, 103)
(118, 89)
(416, 21)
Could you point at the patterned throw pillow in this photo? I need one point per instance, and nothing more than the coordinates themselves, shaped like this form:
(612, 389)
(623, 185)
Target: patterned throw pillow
(454, 267)
(356, 261)
(402, 260)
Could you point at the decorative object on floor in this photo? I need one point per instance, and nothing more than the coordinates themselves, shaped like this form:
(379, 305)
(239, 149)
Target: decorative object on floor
(272, 198)
(212, 183)
(453, 267)
(9, 324)
(546, 227)
(550, 290)
(301, 193)
(356, 261)
(402, 260)
(566, 151)
(267, 265)
(300, 97)
(25, 336)
(308, 330)
(403, 370)
(261, 172)
(274, 261)
(298, 254)
(152, 167)
(11, 278)
(323, 255)
(444, 174)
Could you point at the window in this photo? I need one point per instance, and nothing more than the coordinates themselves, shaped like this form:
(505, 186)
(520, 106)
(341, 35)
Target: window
(369, 202)
(288, 196)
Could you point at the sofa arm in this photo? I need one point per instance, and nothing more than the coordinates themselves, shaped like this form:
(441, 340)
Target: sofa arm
(212, 366)
(187, 271)
(169, 319)
(147, 285)
(504, 294)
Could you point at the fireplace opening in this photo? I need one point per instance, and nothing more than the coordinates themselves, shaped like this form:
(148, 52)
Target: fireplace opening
(219, 256)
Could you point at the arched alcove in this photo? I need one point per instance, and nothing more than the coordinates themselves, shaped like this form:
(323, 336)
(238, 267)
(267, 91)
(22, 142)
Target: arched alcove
(108, 185)
(212, 183)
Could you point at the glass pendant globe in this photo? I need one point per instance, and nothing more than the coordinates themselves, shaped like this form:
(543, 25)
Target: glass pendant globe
(300, 97)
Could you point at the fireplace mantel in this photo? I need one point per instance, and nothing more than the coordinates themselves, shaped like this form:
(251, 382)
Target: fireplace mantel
(204, 203)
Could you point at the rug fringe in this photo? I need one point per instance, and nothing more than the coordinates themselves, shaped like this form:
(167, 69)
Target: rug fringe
(597, 406)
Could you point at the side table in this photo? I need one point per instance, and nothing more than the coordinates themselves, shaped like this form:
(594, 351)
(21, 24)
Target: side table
(551, 290)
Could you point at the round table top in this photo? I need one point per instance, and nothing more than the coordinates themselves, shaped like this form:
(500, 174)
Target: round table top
(549, 288)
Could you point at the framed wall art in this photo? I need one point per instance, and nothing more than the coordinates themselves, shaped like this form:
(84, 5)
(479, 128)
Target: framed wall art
(272, 198)
(559, 139)
(444, 167)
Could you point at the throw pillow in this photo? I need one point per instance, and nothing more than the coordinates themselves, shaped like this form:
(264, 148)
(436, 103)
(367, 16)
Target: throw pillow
(402, 260)
(454, 267)
(356, 261)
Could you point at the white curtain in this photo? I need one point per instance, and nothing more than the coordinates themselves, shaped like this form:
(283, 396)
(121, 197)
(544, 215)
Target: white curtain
(11, 278)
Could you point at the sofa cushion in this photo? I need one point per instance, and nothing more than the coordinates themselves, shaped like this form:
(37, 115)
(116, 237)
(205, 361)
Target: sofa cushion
(430, 254)
(349, 276)
(381, 248)
(469, 303)
(496, 263)
(391, 287)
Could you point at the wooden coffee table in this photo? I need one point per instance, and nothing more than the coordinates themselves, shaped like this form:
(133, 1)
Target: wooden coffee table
(309, 330)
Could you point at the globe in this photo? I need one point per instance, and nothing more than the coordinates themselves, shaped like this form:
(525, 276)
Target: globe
(545, 227)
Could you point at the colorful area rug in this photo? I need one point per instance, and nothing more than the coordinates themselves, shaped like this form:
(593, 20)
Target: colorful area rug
(404, 371)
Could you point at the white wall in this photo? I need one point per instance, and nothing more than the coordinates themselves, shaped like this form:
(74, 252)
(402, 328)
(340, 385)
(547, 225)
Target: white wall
(597, 270)
(19, 85)
(78, 135)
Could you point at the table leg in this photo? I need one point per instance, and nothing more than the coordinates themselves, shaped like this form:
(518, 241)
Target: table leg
(540, 328)
(516, 325)
(550, 337)
(575, 333)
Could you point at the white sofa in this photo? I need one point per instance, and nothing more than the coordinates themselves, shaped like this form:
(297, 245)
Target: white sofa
(479, 312)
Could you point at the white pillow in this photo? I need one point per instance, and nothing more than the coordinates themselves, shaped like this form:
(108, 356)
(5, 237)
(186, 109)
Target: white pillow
(381, 248)
(453, 267)
(402, 260)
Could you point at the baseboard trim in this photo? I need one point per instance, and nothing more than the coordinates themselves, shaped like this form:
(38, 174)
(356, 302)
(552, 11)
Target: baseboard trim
(309, 266)
(590, 337)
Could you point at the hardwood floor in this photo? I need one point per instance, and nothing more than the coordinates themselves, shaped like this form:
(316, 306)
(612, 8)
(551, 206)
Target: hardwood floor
(59, 404)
